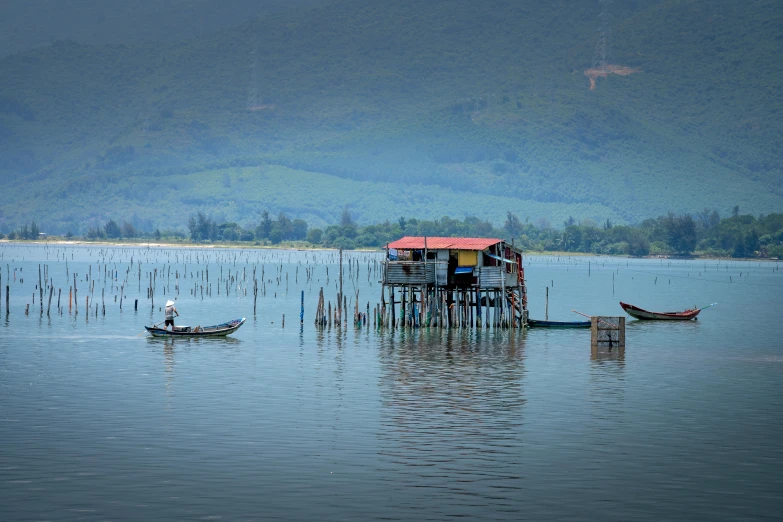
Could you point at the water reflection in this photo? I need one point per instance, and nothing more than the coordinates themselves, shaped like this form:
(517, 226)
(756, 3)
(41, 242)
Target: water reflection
(604, 353)
(193, 342)
(452, 411)
(648, 326)
(169, 346)
(359, 424)
(607, 386)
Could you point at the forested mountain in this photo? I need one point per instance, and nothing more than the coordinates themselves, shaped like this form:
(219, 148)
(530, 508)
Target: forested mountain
(25, 24)
(425, 109)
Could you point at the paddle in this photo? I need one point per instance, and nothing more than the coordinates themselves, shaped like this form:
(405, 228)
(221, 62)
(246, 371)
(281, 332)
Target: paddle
(590, 316)
(713, 304)
(145, 331)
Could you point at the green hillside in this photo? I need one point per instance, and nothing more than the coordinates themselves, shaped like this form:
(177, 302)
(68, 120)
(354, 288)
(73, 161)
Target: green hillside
(404, 108)
(25, 24)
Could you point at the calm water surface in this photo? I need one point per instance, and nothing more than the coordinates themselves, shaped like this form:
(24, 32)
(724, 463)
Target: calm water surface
(98, 422)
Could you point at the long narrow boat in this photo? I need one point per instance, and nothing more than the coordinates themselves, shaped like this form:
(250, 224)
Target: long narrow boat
(640, 313)
(218, 330)
(558, 324)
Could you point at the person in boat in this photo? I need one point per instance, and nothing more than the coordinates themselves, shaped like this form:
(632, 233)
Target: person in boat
(171, 311)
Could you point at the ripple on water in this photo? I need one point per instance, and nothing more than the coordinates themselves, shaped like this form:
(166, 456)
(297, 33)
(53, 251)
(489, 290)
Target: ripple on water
(99, 422)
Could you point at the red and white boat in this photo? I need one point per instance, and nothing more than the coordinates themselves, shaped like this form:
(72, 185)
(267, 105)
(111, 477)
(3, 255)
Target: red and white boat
(640, 313)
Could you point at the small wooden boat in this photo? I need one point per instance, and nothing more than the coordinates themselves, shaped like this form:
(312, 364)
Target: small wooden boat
(640, 313)
(218, 330)
(558, 324)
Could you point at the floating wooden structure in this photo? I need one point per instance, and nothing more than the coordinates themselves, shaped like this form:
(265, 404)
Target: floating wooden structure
(607, 336)
(455, 282)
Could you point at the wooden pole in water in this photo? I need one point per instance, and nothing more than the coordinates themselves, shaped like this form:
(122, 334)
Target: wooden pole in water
(497, 308)
(356, 309)
(391, 299)
(318, 310)
(478, 304)
(546, 312)
(403, 306)
(503, 292)
(444, 308)
(470, 308)
(383, 303)
(340, 294)
(323, 317)
(422, 307)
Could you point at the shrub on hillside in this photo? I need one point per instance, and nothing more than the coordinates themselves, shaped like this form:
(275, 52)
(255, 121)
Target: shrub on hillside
(314, 236)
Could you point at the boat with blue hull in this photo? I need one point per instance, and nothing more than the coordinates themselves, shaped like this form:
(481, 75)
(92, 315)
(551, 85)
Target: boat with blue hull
(558, 324)
(217, 330)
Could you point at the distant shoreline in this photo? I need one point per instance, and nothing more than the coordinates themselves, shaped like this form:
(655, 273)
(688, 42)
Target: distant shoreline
(184, 244)
(308, 247)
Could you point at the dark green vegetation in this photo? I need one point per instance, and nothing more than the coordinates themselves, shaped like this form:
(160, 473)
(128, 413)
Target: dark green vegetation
(435, 108)
(25, 24)
(706, 234)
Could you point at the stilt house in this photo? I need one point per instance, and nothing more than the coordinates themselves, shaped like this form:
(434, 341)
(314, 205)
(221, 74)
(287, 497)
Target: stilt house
(444, 280)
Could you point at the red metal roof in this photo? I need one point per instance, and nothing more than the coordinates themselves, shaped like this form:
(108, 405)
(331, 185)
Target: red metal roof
(444, 243)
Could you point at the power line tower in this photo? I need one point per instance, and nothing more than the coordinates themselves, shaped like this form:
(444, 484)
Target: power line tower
(252, 90)
(602, 56)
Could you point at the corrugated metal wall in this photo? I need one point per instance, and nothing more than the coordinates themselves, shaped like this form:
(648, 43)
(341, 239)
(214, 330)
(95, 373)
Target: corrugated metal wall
(442, 273)
(415, 273)
(410, 273)
(492, 277)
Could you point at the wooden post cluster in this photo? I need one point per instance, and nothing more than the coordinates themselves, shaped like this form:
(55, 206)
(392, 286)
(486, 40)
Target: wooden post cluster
(431, 306)
(399, 306)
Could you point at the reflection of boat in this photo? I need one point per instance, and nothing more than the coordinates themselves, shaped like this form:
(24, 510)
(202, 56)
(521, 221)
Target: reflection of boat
(639, 313)
(170, 342)
(218, 330)
(558, 324)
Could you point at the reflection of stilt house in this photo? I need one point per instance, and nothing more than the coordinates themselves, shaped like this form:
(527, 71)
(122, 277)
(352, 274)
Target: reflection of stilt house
(451, 281)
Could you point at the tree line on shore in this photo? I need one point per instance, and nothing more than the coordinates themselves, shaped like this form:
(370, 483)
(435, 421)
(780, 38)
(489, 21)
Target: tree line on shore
(684, 234)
